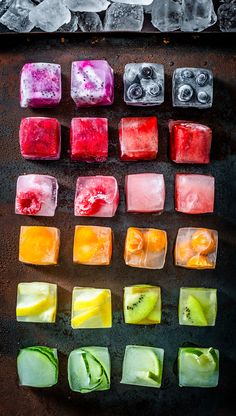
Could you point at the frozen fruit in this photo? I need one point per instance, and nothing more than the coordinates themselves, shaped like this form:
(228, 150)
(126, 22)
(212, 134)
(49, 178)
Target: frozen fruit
(89, 139)
(39, 245)
(196, 248)
(145, 192)
(92, 83)
(197, 306)
(40, 138)
(138, 138)
(189, 142)
(91, 308)
(96, 196)
(92, 245)
(36, 195)
(194, 194)
(40, 85)
(142, 304)
(145, 248)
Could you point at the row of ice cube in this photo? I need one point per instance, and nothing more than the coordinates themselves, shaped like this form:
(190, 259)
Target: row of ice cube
(40, 139)
(92, 307)
(98, 196)
(195, 248)
(92, 84)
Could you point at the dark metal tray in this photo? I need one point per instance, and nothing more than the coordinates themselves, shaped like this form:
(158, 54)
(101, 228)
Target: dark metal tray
(217, 53)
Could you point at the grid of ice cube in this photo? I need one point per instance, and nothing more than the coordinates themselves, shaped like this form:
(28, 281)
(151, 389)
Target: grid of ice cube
(124, 17)
(192, 87)
(144, 84)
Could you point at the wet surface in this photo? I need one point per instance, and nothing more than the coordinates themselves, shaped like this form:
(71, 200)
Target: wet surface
(217, 55)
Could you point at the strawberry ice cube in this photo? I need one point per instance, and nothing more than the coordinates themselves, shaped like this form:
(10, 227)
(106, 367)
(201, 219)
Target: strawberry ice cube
(194, 194)
(40, 138)
(92, 83)
(36, 195)
(189, 142)
(89, 139)
(145, 192)
(40, 85)
(138, 138)
(96, 196)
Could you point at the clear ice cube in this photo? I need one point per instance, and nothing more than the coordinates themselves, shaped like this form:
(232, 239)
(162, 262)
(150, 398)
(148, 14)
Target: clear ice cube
(72, 26)
(4, 4)
(124, 17)
(166, 15)
(50, 15)
(16, 16)
(138, 2)
(227, 16)
(87, 5)
(197, 15)
(89, 22)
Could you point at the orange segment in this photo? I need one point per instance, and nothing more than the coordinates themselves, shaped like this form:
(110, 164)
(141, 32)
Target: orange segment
(134, 241)
(85, 244)
(199, 262)
(203, 241)
(155, 240)
(183, 251)
(39, 245)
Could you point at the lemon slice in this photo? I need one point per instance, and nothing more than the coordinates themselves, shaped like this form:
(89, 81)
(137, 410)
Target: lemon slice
(32, 305)
(90, 299)
(78, 320)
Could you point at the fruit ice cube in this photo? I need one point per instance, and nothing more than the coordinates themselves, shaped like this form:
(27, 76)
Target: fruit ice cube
(142, 305)
(143, 366)
(89, 139)
(40, 85)
(189, 142)
(40, 138)
(197, 306)
(144, 84)
(196, 248)
(92, 83)
(96, 196)
(92, 245)
(91, 308)
(36, 302)
(145, 192)
(192, 87)
(198, 367)
(145, 248)
(194, 194)
(138, 138)
(36, 195)
(39, 245)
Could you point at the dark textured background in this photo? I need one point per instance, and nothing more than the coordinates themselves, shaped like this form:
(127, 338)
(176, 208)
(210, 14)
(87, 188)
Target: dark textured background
(215, 52)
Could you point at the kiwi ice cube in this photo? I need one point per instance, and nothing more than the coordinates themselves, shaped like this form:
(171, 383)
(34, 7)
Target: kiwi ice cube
(197, 306)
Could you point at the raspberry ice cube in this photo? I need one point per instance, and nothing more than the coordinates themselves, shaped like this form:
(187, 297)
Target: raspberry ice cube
(145, 192)
(189, 142)
(89, 139)
(40, 138)
(194, 194)
(96, 196)
(138, 138)
(40, 85)
(36, 195)
(92, 83)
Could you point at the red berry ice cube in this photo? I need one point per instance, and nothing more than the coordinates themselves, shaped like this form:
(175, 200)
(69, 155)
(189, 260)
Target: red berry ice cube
(89, 139)
(138, 138)
(145, 192)
(194, 194)
(189, 142)
(40, 138)
(96, 196)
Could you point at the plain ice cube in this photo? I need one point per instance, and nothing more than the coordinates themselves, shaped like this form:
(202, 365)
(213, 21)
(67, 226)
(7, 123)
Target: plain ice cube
(36, 195)
(50, 15)
(227, 16)
(166, 14)
(4, 4)
(87, 5)
(72, 26)
(192, 87)
(139, 2)
(197, 15)
(89, 22)
(125, 17)
(17, 16)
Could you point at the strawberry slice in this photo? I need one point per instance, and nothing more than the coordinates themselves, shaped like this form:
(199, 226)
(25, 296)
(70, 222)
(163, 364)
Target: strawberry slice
(28, 203)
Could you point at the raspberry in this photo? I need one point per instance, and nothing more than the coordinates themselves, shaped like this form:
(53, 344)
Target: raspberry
(89, 201)
(28, 203)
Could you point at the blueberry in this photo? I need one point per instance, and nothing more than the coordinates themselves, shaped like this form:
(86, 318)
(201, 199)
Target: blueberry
(155, 89)
(185, 93)
(134, 92)
(202, 79)
(147, 72)
(203, 97)
(187, 73)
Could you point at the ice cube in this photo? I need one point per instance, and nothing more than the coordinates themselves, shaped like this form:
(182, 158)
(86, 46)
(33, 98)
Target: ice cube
(124, 17)
(144, 84)
(192, 87)
(16, 16)
(138, 2)
(90, 22)
(96, 196)
(92, 245)
(197, 15)
(194, 194)
(36, 195)
(4, 4)
(50, 15)
(92, 83)
(87, 5)
(72, 26)
(227, 16)
(166, 14)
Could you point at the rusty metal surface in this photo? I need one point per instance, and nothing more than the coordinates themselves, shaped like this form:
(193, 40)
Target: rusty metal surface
(121, 400)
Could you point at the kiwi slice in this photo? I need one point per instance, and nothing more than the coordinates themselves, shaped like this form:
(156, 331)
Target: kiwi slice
(194, 312)
(138, 306)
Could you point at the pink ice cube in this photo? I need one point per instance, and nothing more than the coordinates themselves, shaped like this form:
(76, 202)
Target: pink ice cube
(145, 192)
(36, 195)
(40, 85)
(194, 194)
(92, 83)
(96, 196)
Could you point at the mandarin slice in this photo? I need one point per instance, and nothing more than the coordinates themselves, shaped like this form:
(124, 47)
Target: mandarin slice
(183, 251)
(134, 240)
(155, 240)
(200, 262)
(203, 241)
